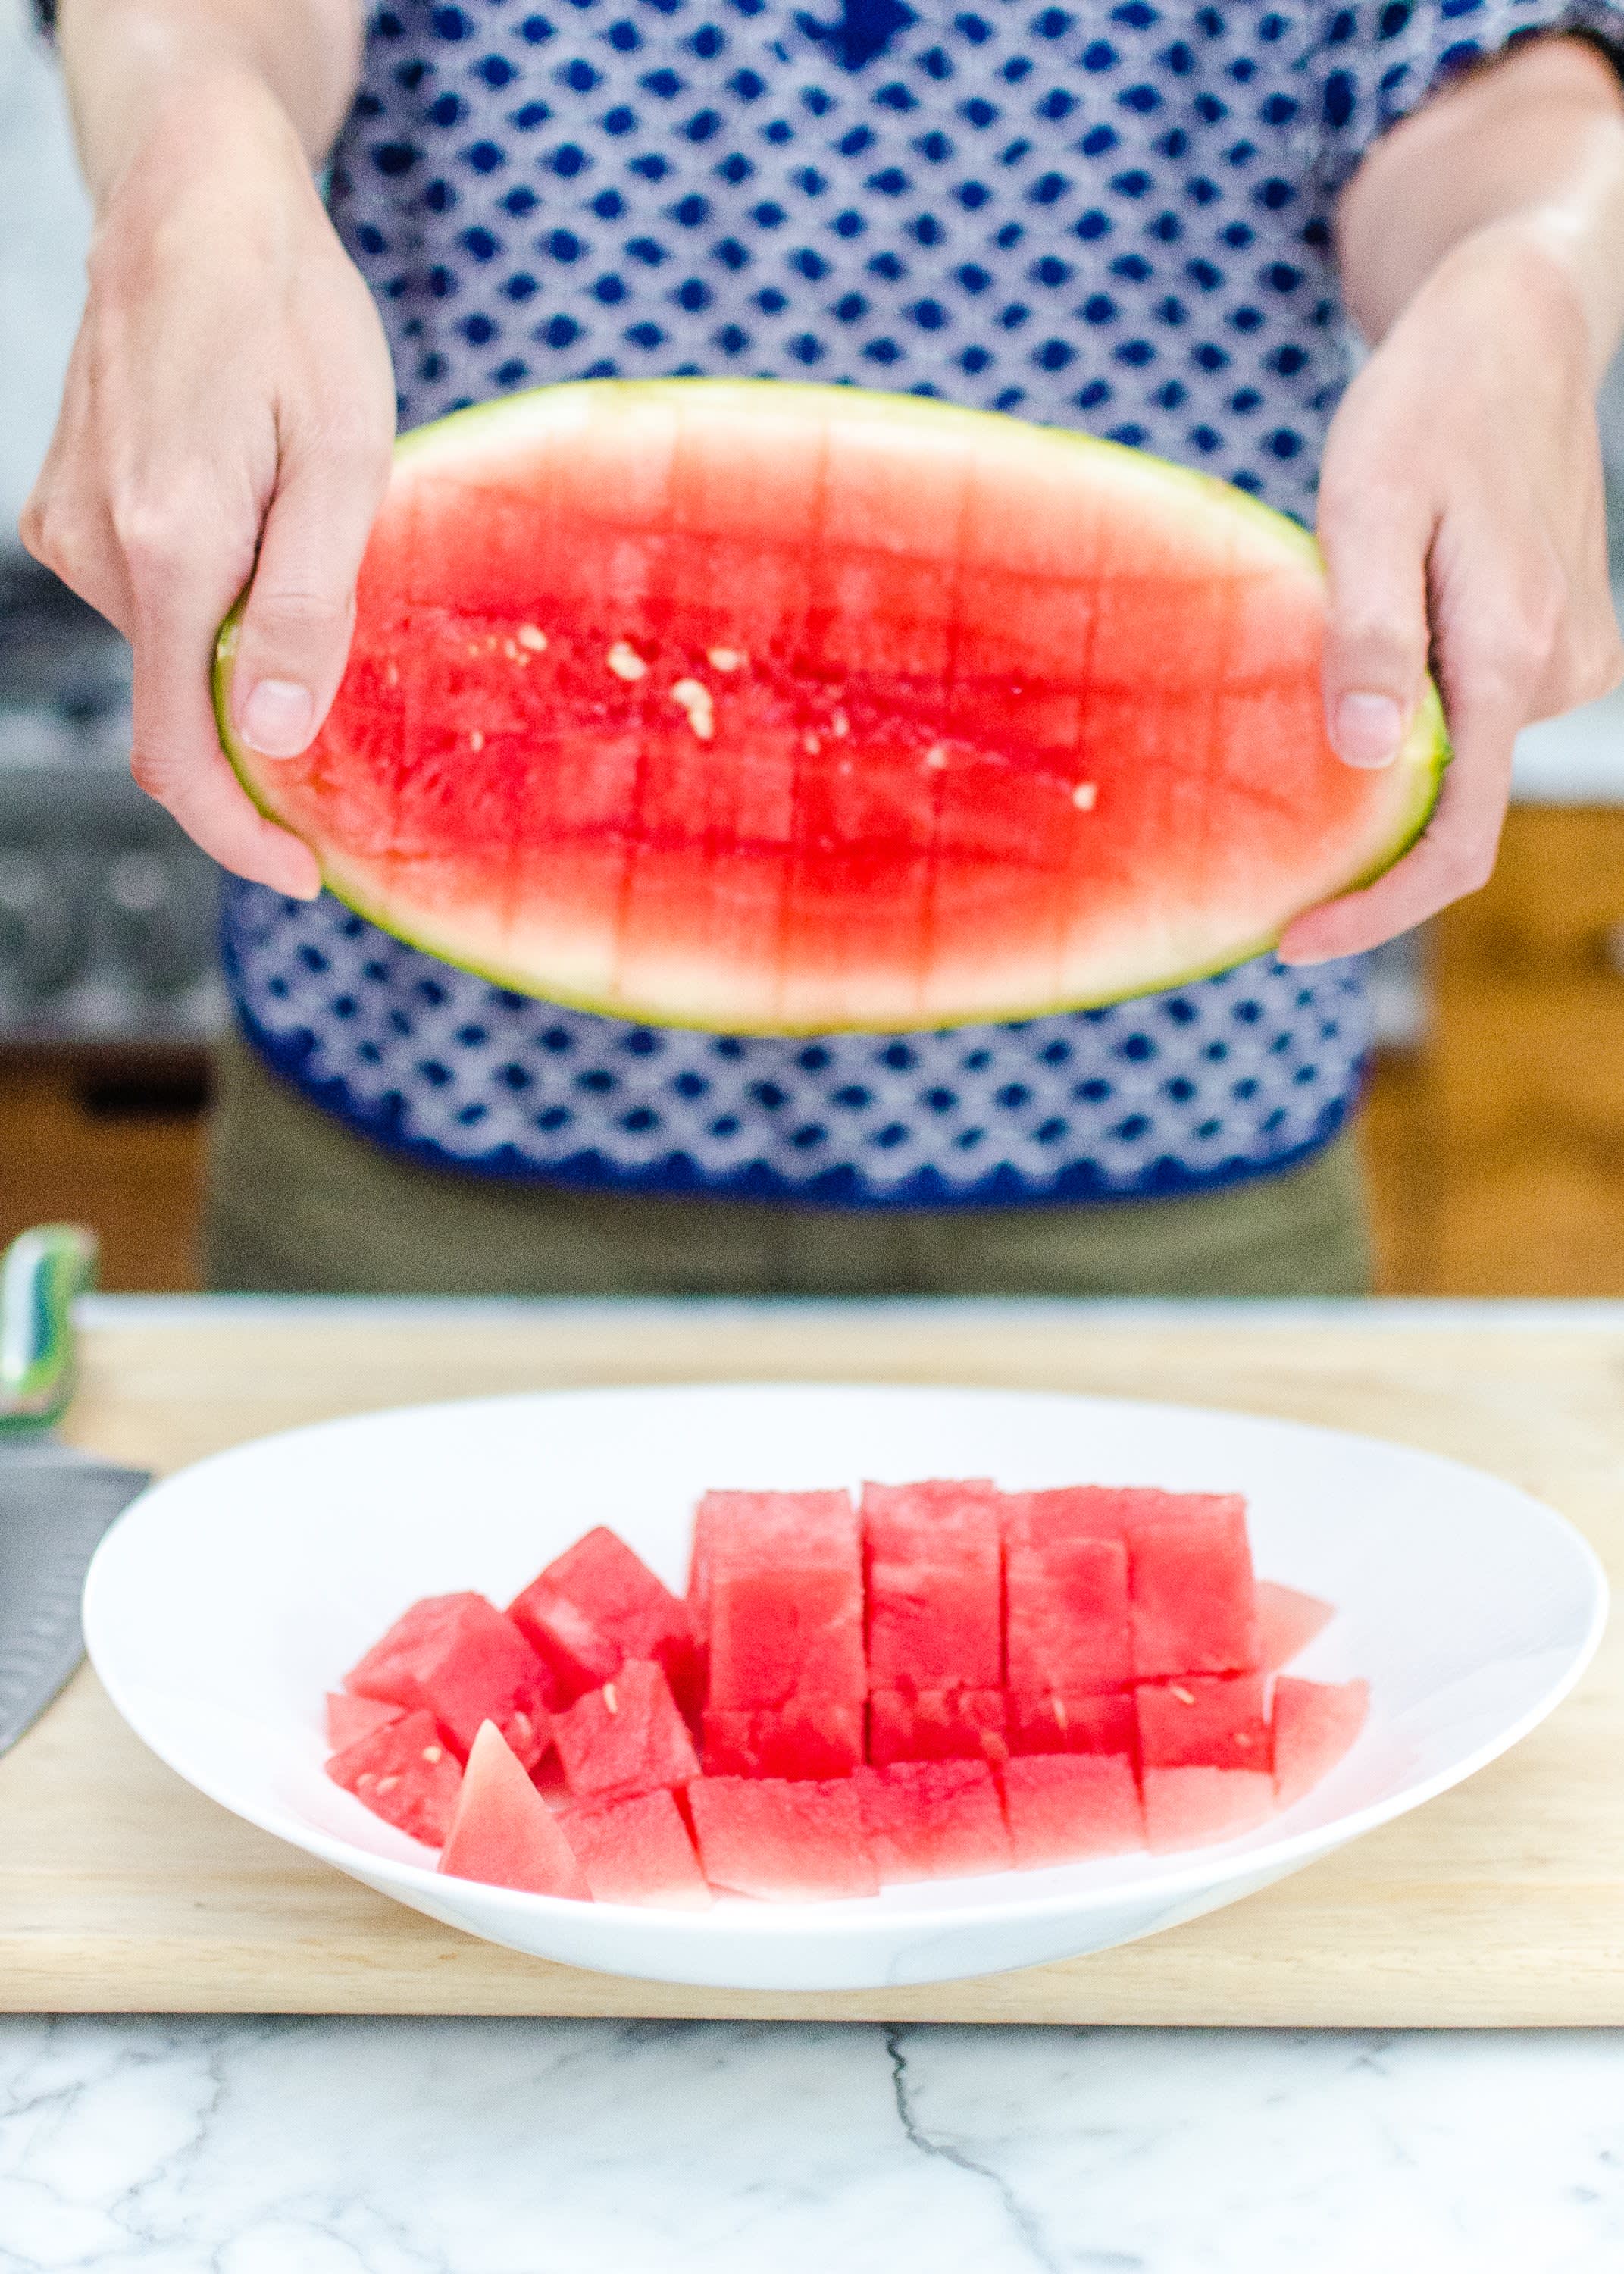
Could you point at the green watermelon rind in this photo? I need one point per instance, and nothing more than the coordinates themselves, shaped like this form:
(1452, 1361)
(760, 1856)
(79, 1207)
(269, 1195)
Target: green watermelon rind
(1425, 754)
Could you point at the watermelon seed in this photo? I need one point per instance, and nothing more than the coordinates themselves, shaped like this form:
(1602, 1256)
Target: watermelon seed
(392, 674)
(1241, 1739)
(935, 757)
(624, 660)
(610, 1699)
(810, 743)
(694, 699)
(387, 1784)
(1084, 796)
(842, 724)
(532, 636)
(1184, 1696)
(1061, 1716)
(434, 1754)
(475, 741)
(725, 659)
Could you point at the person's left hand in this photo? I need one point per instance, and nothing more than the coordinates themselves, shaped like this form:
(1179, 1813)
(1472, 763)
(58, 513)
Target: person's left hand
(1461, 515)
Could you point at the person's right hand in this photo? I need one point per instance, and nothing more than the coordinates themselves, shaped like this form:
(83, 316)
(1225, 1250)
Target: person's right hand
(228, 414)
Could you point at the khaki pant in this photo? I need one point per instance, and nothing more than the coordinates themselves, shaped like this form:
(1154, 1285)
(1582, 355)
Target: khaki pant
(296, 1204)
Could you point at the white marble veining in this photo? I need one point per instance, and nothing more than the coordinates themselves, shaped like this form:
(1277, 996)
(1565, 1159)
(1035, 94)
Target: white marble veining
(145, 2146)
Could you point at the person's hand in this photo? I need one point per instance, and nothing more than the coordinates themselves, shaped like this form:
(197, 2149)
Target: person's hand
(1462, 516)
(228, 413)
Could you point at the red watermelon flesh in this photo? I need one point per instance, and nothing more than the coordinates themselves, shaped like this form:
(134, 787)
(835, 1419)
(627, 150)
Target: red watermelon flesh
(595, 1606)
(1064, 1806)
(781, 1842)
(626, 1738)
(1192, 1807)
(808, 1737)
(1068, 1723)
(1288, 1621)
(503, 1832)
(637, 1852)
(933, 1820)
(1066, 1594)
(934, 1725)
(458, 1658)
(350, 1718)
(785, 1584)
(933, 1560)
(1214, 1720)
(1192, 1599)
(782, 707)
(1315, 1724)
(404, 1773)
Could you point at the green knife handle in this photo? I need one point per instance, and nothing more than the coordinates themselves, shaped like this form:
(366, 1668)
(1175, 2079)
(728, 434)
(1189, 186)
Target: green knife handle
(41, 1273)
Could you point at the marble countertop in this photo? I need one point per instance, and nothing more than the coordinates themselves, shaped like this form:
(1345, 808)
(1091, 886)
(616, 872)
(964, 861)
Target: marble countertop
(148, 2146)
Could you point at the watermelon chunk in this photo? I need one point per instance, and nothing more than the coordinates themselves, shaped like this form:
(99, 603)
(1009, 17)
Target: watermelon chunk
(936, 1725)
(595, 1606)
(784, 1580)
(1064, 1806)
(933, 1555)
(1214, 1720)
(1189, 1583)
(1288, 1621)
(503, 1832)
(626, 1738)
(784, 1842)
(351, 1719)
(1064, 1722)
(933, 1820)
(1315, 1724)
(1191, 1807)
(637, 1852)
(404, 1773)
(808, 1737)
(1066, 1593)
(456, 1657)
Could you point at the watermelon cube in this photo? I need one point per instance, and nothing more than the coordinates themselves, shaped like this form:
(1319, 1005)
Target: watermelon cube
(784, 1842)
(626, 1738)
(808, 1737)
(1190, 1590)
(1288, 1621)
(1212, 1720)
(784, 1587)
(457, 1658)
(404, 1773)
(936, 1725)
(595, 1606)
(637, 1852)
(1315, 1724)
(1062, 1722)
(1191, 1807)
(503, 1832)
(351, 1719)
(1066, 1594)
(933, 1557)
(1064, 1806)
(933, 1819)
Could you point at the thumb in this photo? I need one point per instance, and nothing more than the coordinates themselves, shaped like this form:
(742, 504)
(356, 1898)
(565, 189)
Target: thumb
(1376, 637)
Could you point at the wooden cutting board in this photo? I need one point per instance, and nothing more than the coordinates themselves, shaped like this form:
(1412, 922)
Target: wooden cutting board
(121, 1889)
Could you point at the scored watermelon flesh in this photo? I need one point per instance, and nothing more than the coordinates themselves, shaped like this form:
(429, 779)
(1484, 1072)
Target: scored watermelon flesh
(932, 1561)
(503, 1832)
(595, 1606)
(637, 1852)
(1213, 1720)
(934, 1725)
(1191, 1807)
(933, 1819)
(458, 1658)
(1192, 1598)
(1066, 1593)
(1064, 1806)
(1068, 1723)
(782, 1842)
(404, 1773)
(349, 1718)
(627, 1738)
(1315, 1723)
(940, 717)
(785, 1599)
(1288, 1621)
(808, 1737)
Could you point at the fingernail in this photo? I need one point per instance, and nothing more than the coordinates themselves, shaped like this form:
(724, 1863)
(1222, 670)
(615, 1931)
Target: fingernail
(276, 720)
(1367, 729)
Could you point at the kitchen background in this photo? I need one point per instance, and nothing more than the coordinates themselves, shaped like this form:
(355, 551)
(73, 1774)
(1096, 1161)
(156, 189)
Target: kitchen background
(1495, 1125)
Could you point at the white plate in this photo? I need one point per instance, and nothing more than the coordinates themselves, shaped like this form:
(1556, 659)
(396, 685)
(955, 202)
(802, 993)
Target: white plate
(230, 1597)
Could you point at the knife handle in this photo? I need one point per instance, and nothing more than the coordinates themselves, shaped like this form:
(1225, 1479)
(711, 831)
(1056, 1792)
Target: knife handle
(41, 1273)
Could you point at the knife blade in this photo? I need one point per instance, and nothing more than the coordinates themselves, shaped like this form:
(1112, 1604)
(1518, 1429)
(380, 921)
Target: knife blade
(55, 1503)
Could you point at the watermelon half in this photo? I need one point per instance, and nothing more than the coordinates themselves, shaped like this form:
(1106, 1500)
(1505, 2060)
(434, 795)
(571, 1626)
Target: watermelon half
(772, 708)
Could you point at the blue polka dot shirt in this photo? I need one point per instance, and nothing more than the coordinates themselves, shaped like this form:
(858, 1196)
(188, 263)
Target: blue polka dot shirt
(1111, 217)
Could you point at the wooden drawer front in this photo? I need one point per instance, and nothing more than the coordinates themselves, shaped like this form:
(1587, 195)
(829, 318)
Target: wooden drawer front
(1554, 907)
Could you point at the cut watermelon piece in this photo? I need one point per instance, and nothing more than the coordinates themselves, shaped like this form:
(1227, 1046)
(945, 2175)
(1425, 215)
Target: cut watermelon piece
(1213, 1720)
(1066, 1591)
(1191, 1594)
(781, 707)
(595, 1606)
(456, 1657)
(933, 1557)
(404, 1773)
(637, 1852)
(1288, 1621)
(1191, 1807)
(810, 1737)
(783, 1843)
(933, 1820)
(936, 1725)
(626, 1738)
(1315, 1724)
(784, 1580)
(503, 1832)
(1064, 1806)
(351, 1719)
(1069, 1723)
